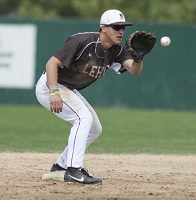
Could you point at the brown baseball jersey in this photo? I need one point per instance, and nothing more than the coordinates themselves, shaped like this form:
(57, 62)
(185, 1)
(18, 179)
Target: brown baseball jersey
(85, 61)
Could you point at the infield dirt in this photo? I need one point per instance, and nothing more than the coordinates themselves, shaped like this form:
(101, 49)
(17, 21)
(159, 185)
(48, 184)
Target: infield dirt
(135, 177)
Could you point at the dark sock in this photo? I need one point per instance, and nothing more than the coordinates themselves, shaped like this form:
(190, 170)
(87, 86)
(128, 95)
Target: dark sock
(72, 169)
(59, 166)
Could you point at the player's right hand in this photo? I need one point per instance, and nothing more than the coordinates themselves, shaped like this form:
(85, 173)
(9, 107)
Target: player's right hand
(56, 103)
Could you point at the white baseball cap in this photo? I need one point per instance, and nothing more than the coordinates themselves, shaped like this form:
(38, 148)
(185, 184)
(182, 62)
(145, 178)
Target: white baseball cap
(113, 17)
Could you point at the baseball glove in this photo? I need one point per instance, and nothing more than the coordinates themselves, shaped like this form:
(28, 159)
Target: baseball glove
(140, 43)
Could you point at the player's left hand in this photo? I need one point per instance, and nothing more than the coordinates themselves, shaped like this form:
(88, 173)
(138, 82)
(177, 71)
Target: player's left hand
(139, 44)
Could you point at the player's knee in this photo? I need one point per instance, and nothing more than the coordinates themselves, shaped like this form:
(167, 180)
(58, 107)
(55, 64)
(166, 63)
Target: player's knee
(99, 129)
(87, 118)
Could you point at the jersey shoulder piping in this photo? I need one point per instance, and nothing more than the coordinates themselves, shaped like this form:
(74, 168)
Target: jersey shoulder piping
(85, 48)
(82, 33)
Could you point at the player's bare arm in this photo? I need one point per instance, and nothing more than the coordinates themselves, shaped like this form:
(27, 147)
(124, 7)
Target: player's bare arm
(133, 67)
(52, 65)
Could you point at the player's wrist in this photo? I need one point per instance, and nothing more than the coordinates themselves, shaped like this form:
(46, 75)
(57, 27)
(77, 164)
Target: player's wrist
(54, 91)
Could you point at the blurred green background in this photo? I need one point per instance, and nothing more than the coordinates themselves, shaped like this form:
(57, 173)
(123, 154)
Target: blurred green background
(167, 11)
(150, 113)
(35, 129)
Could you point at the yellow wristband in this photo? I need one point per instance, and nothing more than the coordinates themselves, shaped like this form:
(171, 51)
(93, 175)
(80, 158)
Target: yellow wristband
(54, 92)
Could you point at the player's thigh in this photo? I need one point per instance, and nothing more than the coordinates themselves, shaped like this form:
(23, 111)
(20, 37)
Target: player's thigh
(73, 107)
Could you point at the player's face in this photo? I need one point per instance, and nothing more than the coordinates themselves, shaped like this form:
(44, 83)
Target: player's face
(115, 33)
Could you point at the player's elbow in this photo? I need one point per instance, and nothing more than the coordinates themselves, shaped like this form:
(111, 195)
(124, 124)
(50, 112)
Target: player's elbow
(136, 73)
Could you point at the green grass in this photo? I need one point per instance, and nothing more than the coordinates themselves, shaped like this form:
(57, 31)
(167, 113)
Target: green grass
(33, 128)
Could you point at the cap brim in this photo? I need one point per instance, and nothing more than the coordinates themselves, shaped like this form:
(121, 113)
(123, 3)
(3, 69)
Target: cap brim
(122, 23)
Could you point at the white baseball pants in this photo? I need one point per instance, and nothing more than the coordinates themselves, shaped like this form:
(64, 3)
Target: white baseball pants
(76, 110)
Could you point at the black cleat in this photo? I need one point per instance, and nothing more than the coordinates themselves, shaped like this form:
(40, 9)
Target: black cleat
(57, 167)
(80, 176)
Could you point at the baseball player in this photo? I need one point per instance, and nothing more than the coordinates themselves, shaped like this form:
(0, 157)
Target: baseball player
(83, 59)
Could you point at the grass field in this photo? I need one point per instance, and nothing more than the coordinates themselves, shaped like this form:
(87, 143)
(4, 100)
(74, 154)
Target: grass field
(33, 128)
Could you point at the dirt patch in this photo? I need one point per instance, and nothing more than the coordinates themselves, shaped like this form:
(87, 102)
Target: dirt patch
(132, 177)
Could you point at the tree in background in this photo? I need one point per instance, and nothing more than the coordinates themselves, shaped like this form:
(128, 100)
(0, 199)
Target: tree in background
(167, 11)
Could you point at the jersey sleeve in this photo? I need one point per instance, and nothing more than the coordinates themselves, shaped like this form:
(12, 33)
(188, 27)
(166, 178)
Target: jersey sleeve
(68, 51)
(120, 58)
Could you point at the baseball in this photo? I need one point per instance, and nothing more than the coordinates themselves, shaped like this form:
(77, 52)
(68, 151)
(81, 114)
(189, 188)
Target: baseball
(165, 41)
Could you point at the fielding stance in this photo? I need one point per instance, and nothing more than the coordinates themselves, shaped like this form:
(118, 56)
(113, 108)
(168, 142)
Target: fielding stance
(83, 59)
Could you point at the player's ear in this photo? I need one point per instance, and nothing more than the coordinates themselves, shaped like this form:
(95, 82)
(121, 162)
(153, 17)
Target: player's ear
(103, 28)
